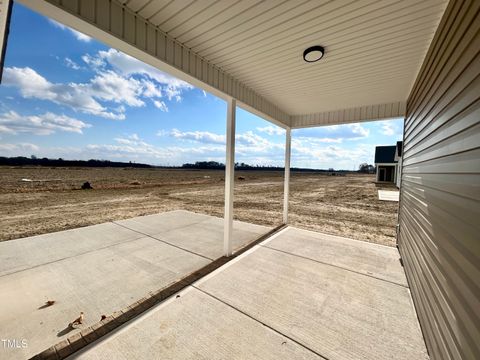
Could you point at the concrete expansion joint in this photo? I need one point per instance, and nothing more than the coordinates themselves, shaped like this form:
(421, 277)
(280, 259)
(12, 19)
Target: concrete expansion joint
(163, 241)
(260, 322)
(66, 258)
(337, 266)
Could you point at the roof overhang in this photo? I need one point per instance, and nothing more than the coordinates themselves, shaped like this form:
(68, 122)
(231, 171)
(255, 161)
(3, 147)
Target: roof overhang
(252, 50)
(5, 14)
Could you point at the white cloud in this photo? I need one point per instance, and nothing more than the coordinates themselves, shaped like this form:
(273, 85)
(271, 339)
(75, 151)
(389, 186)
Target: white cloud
(250, 146)
(333, 134)
(358, 130)
(128, 66)
(46, 124)
(109, 86)
(134, 148)
(249, 138)
(118, 79)
(72, 64)
(132, 139)
(173, 93)
(202, 145)
(150, 89)
(389, 128)
(199, 136)
(246, 144)
(92, 61)
(304, 154)
(272, 130)
(20, 149)
(83, 97)
(161, 105)
(30, 83)
(78, 35)
(311, 152)
(128, 147)
(5, 129)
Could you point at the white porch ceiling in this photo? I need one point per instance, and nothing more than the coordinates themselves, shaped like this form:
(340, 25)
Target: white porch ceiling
(373, 48)
(253, 48)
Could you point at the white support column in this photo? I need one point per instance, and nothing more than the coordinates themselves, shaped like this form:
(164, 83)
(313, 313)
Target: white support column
(229, 178)
(286, 187)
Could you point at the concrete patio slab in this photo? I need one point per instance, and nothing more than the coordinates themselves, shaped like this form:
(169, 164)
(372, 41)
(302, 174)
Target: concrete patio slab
(269, 303)
(206, 238)
(97, 283)
(338, 313)
(200, 234)
(97, 269)
(195, 326)
(387, 195)
(26, 253)
(380, 261)
(154, 224)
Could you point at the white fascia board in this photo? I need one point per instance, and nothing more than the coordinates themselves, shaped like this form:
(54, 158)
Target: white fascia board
(5, 13)
(351, 115)
(115, 25)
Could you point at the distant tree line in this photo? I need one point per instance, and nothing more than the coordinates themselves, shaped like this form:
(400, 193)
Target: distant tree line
(366, 168)
(34, 161)
(214, 165)
(200, 165)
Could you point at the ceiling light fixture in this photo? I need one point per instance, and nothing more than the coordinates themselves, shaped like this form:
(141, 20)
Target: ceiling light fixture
(313, 53)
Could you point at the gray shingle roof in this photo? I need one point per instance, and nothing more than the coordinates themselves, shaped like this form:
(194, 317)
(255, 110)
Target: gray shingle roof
(385, 154)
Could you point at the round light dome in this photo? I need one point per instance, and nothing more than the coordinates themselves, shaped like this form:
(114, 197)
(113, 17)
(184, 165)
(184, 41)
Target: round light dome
(313, 53)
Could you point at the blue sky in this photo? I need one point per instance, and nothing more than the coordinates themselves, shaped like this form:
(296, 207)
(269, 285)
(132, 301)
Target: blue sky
(66, 95)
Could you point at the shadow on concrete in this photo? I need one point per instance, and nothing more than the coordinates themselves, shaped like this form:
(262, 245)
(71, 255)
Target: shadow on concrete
(44, 306)
(65, 331)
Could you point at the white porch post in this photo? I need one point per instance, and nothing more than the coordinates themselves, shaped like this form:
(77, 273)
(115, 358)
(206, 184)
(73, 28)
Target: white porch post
(286, 187)
(229, 178)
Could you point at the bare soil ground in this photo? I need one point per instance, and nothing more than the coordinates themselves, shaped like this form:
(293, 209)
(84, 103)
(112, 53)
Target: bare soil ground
(341, 205)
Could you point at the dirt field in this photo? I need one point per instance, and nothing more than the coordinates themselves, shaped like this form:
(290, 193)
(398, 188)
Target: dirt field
(346, 206)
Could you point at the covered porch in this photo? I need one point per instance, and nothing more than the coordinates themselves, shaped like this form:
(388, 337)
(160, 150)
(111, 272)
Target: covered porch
(297, 294)
(335, 299)
(165, 289)
(174, 39)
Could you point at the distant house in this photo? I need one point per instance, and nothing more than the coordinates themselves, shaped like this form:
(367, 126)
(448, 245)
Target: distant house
(398, 159)
(388, 161)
